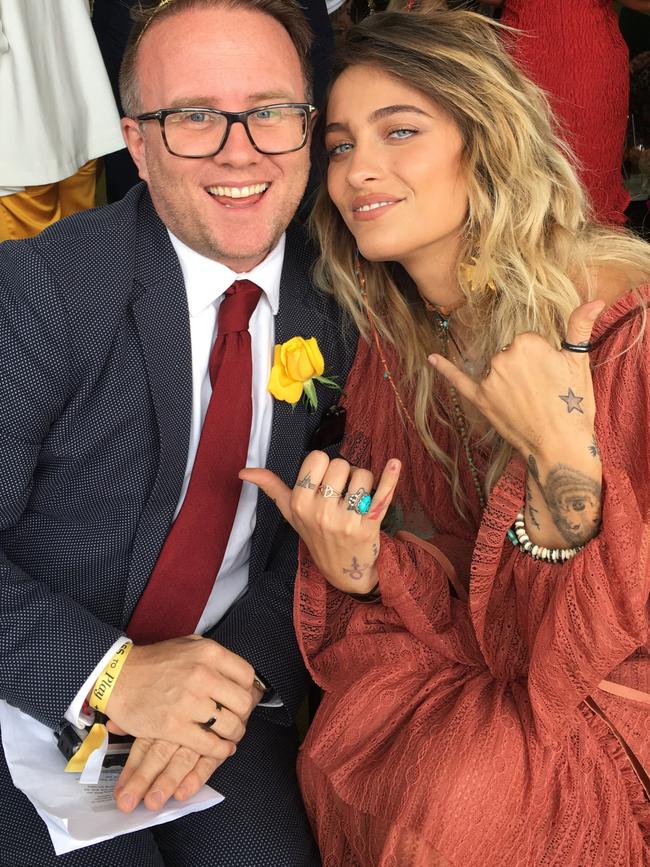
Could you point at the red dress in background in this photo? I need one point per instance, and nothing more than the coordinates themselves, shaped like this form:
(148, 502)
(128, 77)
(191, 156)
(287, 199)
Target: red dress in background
(497, 728)
(574, 50)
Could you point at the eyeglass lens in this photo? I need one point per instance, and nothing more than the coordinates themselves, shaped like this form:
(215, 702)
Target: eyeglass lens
(276, 129)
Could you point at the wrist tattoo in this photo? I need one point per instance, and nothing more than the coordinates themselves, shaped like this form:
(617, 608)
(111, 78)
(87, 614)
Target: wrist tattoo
(306, 483)
(357, 570)
(534, 470)
(572, 401)
(532, 512)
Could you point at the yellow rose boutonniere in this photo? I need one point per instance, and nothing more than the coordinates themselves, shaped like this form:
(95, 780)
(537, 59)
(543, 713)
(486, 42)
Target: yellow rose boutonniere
(296, 364)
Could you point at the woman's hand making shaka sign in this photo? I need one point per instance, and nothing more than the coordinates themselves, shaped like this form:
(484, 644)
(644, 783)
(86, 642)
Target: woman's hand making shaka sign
(337, 516)
(541, 400)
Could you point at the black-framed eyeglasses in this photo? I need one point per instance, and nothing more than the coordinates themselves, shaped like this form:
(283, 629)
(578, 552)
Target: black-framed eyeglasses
(202, 132)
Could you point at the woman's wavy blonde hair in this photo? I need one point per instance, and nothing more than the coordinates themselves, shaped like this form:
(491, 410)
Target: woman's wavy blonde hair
(527, 223)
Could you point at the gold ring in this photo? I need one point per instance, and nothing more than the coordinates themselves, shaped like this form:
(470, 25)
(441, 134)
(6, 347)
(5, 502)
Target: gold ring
(505, 348)
(328, 491)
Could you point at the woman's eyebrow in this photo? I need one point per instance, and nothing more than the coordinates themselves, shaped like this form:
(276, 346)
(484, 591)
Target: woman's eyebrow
(378, 114)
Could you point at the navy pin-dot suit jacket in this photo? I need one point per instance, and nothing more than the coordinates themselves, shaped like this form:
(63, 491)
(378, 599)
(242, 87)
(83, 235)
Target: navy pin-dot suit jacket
(95, 399)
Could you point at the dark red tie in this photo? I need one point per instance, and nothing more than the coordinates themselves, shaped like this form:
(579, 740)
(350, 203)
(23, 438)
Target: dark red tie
(187, 566)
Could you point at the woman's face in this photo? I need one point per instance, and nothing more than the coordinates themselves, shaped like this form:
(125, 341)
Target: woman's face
(395, 169)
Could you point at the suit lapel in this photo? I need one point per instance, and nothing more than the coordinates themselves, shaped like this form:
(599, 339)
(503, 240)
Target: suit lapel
(299, 314)
(162, 322)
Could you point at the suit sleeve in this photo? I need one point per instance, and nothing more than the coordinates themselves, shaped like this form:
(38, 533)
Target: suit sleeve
(49, 642)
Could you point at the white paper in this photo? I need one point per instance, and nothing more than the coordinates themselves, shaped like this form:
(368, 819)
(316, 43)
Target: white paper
(76, 814)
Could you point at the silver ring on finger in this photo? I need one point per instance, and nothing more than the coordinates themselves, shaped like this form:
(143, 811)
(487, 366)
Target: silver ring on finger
(329, 492)
(355, 498)
(363, 504)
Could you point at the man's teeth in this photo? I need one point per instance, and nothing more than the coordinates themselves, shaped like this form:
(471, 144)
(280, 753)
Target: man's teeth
(238, 192)
(373, 206)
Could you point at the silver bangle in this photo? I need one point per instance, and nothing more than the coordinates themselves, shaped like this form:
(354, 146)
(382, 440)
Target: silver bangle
(519, 537)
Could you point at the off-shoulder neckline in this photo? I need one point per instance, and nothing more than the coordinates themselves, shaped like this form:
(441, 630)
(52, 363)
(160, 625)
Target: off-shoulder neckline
(629, 302)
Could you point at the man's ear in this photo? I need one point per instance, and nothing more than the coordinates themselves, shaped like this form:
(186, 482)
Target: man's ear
(134, 140)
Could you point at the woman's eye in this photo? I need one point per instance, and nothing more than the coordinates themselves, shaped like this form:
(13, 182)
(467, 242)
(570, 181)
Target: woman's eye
(338, 149)
(403, 132)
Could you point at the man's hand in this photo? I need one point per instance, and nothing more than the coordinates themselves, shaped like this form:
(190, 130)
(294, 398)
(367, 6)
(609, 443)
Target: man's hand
(157, 770)
(169, 690)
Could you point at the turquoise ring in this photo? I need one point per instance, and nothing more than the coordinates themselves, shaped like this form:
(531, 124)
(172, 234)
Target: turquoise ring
(363, 506)
(360, 501)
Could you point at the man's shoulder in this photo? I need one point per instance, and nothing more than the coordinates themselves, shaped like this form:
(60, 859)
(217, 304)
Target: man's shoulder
(97, 232)
(80, 256)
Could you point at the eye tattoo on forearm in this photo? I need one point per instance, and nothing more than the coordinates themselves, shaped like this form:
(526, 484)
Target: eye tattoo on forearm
(306, 483)
(572, 401)
(357, 570)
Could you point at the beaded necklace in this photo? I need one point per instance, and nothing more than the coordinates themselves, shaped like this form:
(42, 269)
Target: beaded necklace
(442, 324)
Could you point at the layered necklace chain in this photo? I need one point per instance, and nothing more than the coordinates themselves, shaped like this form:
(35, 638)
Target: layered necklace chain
(441, 322)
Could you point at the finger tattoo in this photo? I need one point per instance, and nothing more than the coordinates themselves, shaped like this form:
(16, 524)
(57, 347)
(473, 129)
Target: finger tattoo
(306, 483)
(594, 451)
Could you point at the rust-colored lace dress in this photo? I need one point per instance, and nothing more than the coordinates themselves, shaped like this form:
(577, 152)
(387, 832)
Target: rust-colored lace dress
(503, 730)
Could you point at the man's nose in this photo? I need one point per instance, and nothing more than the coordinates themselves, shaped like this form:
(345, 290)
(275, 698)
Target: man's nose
(237, 149)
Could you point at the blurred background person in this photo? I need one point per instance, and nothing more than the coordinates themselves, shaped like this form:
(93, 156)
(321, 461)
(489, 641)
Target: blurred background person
(575, 51)
(58, 110)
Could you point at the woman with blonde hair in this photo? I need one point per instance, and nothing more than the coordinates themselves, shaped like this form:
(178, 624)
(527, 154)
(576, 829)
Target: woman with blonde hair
(486, 670)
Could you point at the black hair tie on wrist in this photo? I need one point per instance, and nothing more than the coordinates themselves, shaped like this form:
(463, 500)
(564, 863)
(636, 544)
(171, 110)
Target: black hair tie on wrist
(576, 347)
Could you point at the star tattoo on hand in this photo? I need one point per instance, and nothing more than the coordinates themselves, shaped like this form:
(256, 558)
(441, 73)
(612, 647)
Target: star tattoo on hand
(572, 401)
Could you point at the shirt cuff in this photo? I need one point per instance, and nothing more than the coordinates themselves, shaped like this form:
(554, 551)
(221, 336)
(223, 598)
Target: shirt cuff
(74, 713)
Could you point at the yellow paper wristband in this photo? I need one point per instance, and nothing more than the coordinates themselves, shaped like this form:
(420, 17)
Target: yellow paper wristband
(92, 741)
(101, 691)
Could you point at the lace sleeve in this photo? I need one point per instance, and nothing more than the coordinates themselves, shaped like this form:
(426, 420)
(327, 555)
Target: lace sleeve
(583, 618)
(339, 636)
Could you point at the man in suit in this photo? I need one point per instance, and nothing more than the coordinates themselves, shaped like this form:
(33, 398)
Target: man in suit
(108, 320)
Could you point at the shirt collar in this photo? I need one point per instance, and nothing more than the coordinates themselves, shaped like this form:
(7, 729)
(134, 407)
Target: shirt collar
(207, 280)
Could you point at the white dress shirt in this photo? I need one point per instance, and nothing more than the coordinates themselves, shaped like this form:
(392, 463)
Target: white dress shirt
(206, 282)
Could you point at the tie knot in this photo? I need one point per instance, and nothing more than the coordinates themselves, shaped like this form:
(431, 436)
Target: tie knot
(237, 307)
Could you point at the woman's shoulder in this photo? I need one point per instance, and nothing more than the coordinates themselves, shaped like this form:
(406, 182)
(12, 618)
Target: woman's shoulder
(614, 282)
(621, 336)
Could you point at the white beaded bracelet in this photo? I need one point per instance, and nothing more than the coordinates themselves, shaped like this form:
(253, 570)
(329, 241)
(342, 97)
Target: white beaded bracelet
(519, 537)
